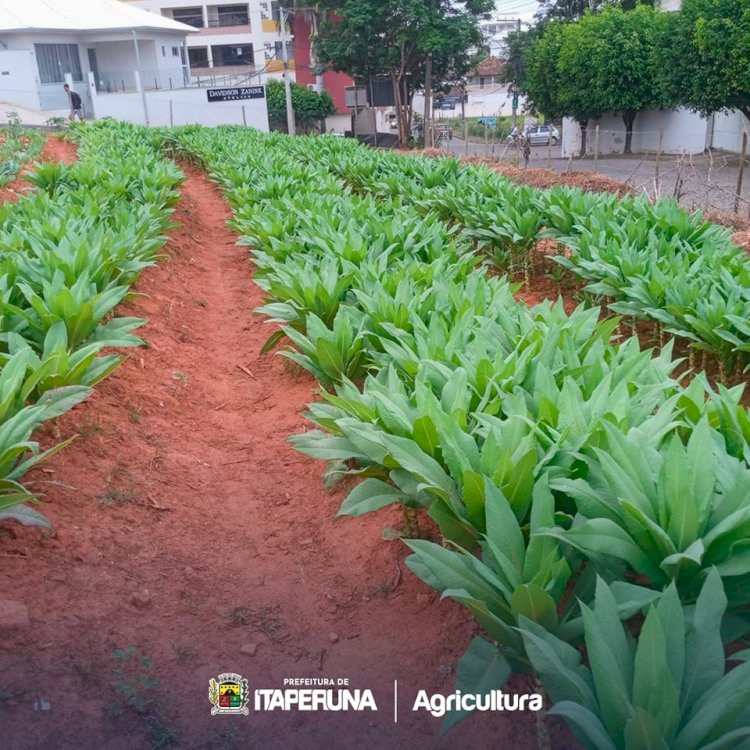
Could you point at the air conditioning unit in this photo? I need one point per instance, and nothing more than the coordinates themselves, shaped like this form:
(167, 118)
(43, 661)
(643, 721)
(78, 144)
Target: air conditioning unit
(311, 87)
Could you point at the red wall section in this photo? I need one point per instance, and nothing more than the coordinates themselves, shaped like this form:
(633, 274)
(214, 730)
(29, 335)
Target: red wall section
(334, 83)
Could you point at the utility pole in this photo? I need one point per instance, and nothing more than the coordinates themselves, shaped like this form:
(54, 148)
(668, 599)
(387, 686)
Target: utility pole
(290, 124)
(514, 92)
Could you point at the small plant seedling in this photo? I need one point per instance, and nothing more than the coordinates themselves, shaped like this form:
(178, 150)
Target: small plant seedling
(139, 691)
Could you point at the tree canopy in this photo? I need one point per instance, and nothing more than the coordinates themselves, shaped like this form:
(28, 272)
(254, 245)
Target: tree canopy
(309, 106)
(625, 61)
(706, 56)
(395, 38)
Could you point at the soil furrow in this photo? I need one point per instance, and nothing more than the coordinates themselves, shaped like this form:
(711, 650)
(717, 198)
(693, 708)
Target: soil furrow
(196, 534)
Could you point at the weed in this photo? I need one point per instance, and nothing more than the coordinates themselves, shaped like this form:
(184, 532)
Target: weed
(121, 487)
(182, 653)
(139, 691)
(57, 122)
(240, 615)
(89, 427)
(88, 670)
(222, 738)
(260, 619)
(383, 589)
(117, 497)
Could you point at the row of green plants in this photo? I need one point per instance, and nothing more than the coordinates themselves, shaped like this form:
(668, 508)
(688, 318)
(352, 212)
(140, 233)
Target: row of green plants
(18, 146)
(69, 252)
(593, 510)
(648, 261)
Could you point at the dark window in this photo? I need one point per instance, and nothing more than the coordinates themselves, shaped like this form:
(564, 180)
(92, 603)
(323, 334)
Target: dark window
(198, 57)
(175, 51)
(232, 54)
(55, 60)
(191, 16)
(232, 15)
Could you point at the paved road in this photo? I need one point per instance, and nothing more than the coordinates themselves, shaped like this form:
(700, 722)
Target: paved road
(702, 181)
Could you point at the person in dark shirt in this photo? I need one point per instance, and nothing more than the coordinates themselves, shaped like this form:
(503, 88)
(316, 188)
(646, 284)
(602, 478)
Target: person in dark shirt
(76, 105)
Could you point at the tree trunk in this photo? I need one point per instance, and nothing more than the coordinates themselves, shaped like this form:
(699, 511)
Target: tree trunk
(584, 124)
(426, 122)
(397, 101)
(628, 118)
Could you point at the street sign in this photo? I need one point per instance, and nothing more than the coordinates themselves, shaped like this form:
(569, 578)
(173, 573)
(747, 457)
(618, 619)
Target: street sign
(490, 122)
(515, 101)
(232, 95)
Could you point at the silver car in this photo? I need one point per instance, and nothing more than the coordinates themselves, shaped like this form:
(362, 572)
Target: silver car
(543, 134)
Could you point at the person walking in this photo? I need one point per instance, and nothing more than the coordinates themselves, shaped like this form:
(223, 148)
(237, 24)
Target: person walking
(76, 105)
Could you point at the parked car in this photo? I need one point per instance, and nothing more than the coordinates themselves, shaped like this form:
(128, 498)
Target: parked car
(543, 134)
(538, 135)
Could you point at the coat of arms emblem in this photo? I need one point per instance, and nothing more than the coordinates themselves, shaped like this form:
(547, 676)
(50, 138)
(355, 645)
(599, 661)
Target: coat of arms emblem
(229, 694)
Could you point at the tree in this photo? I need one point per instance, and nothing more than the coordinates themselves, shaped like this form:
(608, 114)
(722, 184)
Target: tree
(572, 10)
(396, 38)
(310, 108)
(705, 63)
(621, 51)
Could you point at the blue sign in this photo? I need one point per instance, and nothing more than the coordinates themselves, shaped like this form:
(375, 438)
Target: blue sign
(490, 122)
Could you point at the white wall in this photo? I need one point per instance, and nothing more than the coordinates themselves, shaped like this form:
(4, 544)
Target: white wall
(18, 81)
(682, 131)
(727, 131)
(188, 106)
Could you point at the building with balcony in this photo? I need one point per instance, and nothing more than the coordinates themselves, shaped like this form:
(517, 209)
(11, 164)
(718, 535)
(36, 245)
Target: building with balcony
(235, 42)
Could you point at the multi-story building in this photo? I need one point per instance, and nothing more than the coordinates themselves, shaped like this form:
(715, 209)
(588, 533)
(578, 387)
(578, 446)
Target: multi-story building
(233, 39)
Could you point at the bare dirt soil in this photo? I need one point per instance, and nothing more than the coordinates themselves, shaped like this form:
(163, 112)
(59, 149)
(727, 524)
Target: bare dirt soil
(186, 526)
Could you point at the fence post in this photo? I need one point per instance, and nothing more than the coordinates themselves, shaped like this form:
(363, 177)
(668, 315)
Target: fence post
(549, 152)
(244, 116)
(596, 148)
(658, 154)
(171, 114)
(740, 171)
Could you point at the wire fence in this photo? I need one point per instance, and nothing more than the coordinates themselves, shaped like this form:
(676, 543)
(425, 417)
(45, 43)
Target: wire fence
(700, 178)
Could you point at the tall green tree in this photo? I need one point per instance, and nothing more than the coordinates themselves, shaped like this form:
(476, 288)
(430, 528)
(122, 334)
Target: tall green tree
(705, 59)
(395, 39)
(621, 49)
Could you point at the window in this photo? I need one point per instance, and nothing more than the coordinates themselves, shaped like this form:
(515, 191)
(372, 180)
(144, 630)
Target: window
(55, 60)
(175, 51)
(198, 57)
(163, 51)
(232, 15)
(231, 54)
(191, 16)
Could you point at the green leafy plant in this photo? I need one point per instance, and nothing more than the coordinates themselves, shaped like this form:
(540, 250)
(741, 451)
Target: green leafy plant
(667, 690)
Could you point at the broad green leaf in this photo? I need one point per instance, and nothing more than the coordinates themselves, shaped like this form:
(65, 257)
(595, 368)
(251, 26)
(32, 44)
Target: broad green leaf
(368, 496)
(480, 670)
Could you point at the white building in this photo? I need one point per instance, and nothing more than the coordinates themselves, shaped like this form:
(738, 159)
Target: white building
(495, 31)
(45, 43)
(123, 61)
(235, 42)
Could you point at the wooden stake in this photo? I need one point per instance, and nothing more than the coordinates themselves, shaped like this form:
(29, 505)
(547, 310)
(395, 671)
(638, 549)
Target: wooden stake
(738, 193)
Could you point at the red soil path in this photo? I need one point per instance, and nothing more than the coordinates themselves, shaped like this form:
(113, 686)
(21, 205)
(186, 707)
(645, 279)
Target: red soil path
(186, 525)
